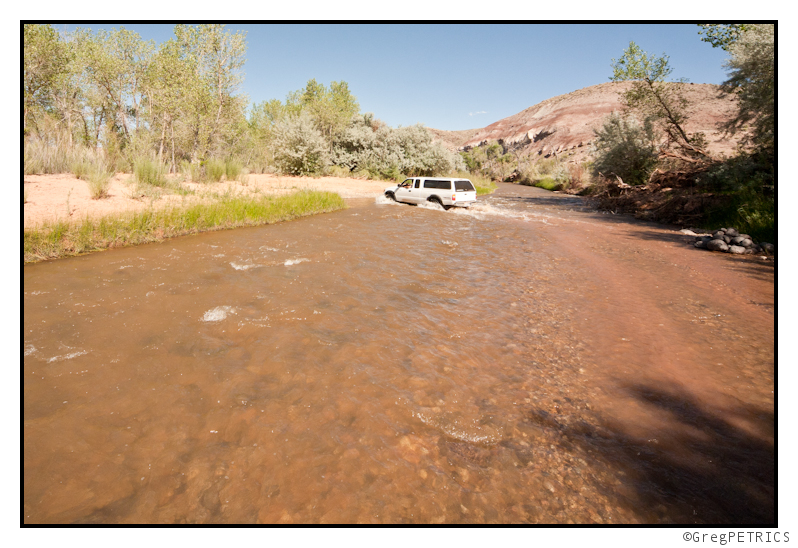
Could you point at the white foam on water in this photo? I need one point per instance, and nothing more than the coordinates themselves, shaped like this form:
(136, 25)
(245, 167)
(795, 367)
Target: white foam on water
(30, 349)
(244, 266)
(434, 206)
(461, 429)
(384, 200)
(67, 356)
(484, 211)
(218, 314)
(291, 262)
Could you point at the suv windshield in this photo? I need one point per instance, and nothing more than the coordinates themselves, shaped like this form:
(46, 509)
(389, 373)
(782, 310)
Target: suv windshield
(463, 185)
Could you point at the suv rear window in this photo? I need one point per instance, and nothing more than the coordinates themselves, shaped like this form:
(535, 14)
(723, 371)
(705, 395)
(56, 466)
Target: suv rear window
(463, 185)
(432, 183)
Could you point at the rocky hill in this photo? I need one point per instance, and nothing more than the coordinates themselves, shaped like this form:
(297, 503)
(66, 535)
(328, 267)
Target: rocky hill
(563, 125)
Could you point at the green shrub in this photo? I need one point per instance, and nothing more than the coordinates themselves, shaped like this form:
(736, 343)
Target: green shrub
(299, 148)
(548, 173)
(337, 171)
(625, 148)
(749, 212)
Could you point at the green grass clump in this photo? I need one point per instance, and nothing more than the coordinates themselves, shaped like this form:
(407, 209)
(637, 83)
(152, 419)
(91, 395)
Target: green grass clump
(232, 170)
(81, 168)
(99, 181)
(149, 172)
(548, 183)
(62, 239)
(214, 170)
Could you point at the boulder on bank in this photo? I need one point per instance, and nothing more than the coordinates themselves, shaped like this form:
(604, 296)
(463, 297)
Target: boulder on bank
(729, 240)
(717, 245)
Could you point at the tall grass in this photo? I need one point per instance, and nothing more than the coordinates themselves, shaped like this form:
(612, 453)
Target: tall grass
(57, 156)
(99, 181)
(149, 172)
(61, 239)
(214, 170)
(232, 169)
(211, 171)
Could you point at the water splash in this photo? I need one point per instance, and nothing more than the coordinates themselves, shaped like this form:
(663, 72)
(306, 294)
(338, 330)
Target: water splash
(244, 266)
(218, 314)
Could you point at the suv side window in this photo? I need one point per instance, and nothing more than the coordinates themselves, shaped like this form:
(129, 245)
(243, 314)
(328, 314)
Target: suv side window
(418, 182)
(444, 185)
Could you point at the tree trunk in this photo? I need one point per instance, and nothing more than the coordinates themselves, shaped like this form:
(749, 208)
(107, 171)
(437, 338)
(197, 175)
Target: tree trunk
(163, 135)
(172, 126)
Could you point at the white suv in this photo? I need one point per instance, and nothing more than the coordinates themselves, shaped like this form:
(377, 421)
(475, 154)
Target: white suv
(448, 192)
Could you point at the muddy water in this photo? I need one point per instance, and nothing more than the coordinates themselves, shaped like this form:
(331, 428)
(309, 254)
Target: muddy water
(527, 361)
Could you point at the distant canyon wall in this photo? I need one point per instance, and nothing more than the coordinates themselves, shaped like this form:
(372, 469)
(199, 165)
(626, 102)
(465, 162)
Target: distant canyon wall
(564, 125)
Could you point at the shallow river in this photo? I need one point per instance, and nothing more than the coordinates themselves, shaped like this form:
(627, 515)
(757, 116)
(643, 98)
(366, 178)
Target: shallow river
(525, 361)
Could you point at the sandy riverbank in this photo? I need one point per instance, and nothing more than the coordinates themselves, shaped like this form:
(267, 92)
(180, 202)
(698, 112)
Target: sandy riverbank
(64, 197)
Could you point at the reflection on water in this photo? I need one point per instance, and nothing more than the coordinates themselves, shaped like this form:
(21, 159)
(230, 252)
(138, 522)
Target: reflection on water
(392, 364)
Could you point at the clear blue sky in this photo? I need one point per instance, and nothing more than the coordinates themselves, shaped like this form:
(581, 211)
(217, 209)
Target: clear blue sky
(451, 76)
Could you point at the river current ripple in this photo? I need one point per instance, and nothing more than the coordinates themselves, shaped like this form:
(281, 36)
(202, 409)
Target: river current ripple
(526, 361)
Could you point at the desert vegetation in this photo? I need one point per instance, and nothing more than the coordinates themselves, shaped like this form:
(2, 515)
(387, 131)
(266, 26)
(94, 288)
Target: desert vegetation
(117, 102)
(63, 239)
(643, 161)
(738, 191)
(106, 102)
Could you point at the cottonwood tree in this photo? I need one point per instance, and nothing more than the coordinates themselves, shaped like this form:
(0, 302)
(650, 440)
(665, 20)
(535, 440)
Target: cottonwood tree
(752, 69)
(213, 107)
(332, 109)
(116, 62)
(169, 76)
(722, 35)
(43, 60)
(655, 98)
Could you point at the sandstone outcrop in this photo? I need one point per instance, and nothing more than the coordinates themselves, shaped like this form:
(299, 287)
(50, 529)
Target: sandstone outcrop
(563, 125)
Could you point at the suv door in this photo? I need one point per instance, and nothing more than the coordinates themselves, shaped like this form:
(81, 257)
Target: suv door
(404, 190)
(415, 194)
